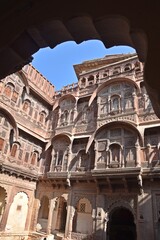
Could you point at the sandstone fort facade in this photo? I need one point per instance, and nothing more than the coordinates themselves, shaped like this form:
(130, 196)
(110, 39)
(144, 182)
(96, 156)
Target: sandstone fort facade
(82, 162)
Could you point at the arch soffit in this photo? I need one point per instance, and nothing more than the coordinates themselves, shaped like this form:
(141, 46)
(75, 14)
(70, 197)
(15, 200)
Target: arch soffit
(121, 204)
(64, 134)
(21, 192)
(81, 198)
(67, 96)
(12, 121)
(111, 81)
(129, 125)
(24, 79)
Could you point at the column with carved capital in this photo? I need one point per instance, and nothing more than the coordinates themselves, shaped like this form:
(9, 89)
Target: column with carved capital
(69, 156)
(148, 154)
(138, 157)
(50, 215)
(28, 224)
(35, 212)
(134, 100)
(106, 220)
(59, 118)
(96, 154)
(100, 216)
(52, 165)
(98, 104)
(70, 215)
(75, 111)
(145, 101)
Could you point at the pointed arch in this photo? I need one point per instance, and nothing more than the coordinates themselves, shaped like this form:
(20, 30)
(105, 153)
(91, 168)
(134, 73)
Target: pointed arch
(11, 120)
(120, 124)
(111, 81)
(67, 134)
(58, 101)
(23, 77)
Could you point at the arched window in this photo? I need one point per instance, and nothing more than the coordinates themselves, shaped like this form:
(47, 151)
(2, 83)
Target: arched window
(42, 116)
(34, 157)
(115, 103)
(137, 67)
(91, 78)
(83, 82)
(127, 67)
(1, 144)
(14, 150)
(116, 70)
(8, 90)
(14, 96)
(106, 73)
(26, 105)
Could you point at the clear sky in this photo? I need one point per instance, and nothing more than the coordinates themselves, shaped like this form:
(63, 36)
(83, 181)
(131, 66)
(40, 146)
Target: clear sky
(57, 64)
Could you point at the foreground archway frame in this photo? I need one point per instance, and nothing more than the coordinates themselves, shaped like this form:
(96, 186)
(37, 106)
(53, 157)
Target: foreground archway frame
(38, 24)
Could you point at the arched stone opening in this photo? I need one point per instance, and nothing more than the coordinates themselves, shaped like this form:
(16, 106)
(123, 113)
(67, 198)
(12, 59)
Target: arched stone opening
(43, 213)
(3, 196)
(61, 212)
(82, 221)
(121, 225)
(18, 213)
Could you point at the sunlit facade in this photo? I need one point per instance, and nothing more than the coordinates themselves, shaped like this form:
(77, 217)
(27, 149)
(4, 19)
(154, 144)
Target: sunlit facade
(82, 162)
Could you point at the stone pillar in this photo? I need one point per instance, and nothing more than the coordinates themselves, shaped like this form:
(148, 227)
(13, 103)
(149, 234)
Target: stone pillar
(35, 213)
(100, 201)
(98, 103)
(109, 104)
(148, 154)
(30, 212)
(53, 161)
(59, 118)
(106, 219)
(121, 158)
(5, 216)
(75, 111)
(138, 161)
(145, 101)
(134, 100)
(69, 156)
(70, 215)
(50, 215)
(96, 154)
(94, 220)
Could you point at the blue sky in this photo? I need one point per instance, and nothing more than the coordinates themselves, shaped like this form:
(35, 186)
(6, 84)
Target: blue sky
(57, 64)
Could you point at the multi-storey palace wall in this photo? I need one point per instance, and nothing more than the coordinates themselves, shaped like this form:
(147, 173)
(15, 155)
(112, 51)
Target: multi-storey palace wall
(82, 162)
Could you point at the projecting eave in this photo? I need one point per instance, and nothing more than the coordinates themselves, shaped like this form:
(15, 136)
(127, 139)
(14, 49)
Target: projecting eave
(99, 64)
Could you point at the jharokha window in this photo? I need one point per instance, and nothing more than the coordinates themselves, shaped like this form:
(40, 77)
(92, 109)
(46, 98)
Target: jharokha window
(14, 150)
(8, 90)
(42, 116)
(14, 96)
(1, 144)
(26, 106)
(34, 157)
